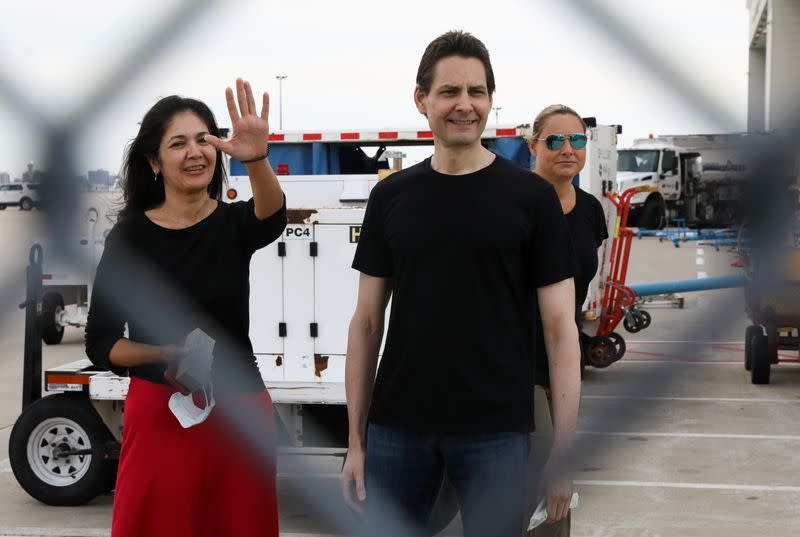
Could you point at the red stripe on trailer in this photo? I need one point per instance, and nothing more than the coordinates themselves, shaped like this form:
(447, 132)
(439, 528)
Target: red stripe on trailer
(47, 276)
(506, 132)
(424, 134)
(53, 378)
(349, 136)
(387, 135)
(276, 137)
(312, 136)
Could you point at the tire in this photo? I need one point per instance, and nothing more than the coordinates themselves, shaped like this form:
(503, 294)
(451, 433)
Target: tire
(601, 351)
(62, 421)
(52, 305)
(631, 327)
(26, 204)
(619, 343)
(749, 333)
(651, 216)
(646, 319)
(759, 360)
(2, 207)
(445, 508)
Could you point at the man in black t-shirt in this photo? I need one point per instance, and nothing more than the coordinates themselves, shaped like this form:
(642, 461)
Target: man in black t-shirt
(465, 243)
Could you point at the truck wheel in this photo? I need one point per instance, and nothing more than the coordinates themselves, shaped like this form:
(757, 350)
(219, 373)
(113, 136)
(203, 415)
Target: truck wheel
(2, 207)
(759, 360)
(46, 429)
(52, 306)
(444, 509)
(652, 215)
(26, 204)
(749, 333)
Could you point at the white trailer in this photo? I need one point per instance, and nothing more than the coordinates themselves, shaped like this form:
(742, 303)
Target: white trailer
(303, 294)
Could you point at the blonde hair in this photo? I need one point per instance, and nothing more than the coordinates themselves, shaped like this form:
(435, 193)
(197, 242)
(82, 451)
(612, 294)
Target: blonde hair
(547, 112)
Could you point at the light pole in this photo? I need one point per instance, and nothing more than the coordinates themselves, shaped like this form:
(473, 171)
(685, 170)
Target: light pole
(280, 100)
(497, 114)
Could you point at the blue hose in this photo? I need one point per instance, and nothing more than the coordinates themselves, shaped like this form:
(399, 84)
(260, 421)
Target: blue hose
(685, 286)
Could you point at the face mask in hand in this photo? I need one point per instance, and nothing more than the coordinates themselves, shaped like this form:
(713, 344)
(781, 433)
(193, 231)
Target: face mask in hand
(188, 414)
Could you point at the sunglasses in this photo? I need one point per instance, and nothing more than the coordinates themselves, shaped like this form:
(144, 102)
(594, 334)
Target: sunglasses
(556, 141)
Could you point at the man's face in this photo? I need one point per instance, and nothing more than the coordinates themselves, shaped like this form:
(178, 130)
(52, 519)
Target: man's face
(458, 103)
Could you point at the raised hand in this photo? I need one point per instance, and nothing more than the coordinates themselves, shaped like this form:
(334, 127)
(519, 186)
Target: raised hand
(250, 130)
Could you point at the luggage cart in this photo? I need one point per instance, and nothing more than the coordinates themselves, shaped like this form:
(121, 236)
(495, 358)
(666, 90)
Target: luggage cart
(619, 301)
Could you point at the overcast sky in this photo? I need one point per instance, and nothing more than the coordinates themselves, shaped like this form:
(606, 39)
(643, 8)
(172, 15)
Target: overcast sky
(351, 64)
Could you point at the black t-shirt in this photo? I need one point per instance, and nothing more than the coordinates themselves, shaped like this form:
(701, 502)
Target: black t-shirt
(587, 228)
(164, 283)
(464, 255)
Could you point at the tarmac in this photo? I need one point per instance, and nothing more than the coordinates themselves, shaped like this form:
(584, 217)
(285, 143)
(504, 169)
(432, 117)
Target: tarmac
(677, 441)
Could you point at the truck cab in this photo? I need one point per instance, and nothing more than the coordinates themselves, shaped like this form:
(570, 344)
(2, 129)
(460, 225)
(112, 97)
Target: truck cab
(672, 170)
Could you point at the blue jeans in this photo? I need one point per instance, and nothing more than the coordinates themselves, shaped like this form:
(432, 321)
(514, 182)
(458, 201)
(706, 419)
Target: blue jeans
(404, 471)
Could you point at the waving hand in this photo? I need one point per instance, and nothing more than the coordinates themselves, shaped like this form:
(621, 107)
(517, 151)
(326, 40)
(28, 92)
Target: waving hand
(250, 130)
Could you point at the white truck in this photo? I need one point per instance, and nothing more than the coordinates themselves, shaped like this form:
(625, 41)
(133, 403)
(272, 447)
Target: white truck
(698, 178)
(64, 446)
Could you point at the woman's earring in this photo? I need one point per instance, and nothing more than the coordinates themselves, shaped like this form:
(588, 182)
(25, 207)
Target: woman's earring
(155, 176)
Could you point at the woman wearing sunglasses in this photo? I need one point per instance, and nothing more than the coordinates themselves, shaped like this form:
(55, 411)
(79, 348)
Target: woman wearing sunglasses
(558, 143)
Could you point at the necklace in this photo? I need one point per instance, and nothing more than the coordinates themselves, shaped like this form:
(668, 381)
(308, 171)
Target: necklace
(199, 215)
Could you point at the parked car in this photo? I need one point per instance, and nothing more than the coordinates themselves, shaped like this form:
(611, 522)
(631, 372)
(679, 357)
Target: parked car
(22, 195)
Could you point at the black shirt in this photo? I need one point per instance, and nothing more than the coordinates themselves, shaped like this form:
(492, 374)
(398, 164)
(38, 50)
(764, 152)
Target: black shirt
(464, 255)
(166, 282)
(587, 228)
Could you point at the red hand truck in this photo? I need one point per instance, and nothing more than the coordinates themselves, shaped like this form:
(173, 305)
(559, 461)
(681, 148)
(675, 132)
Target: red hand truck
(619, 301)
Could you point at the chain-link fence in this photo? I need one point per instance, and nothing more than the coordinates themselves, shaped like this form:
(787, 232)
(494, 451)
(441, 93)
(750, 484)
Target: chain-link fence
(62, 215)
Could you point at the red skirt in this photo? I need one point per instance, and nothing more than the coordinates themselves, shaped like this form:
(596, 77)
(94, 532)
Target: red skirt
(192, 482)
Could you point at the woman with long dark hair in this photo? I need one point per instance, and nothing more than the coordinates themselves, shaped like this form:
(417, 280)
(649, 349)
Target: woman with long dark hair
(178, 260)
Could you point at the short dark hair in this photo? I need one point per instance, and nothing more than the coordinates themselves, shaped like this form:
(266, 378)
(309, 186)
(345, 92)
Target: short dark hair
(140, 192)
(453, 43)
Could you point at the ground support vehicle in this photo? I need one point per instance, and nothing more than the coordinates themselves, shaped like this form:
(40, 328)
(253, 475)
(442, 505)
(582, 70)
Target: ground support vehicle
(302, 295)
(67, 277)
(698, 178)
(22, 195)
(772, 299)
(619, 301)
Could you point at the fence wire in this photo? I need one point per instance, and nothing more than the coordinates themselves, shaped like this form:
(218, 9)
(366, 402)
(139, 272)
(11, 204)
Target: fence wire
(768, 219)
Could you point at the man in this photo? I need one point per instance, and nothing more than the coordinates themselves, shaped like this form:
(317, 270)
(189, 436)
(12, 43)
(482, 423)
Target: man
(463, 242)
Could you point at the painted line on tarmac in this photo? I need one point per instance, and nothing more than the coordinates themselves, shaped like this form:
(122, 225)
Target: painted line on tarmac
(695, 399)
(700, 486)
(5, 468)
(727, 436)
(679, 342)
(687, 361)
(54, 532)
(308, 475)
(88, 532)
(690, 361)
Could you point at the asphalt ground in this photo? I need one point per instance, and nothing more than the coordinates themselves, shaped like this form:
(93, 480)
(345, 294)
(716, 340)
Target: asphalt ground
(680, 443)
